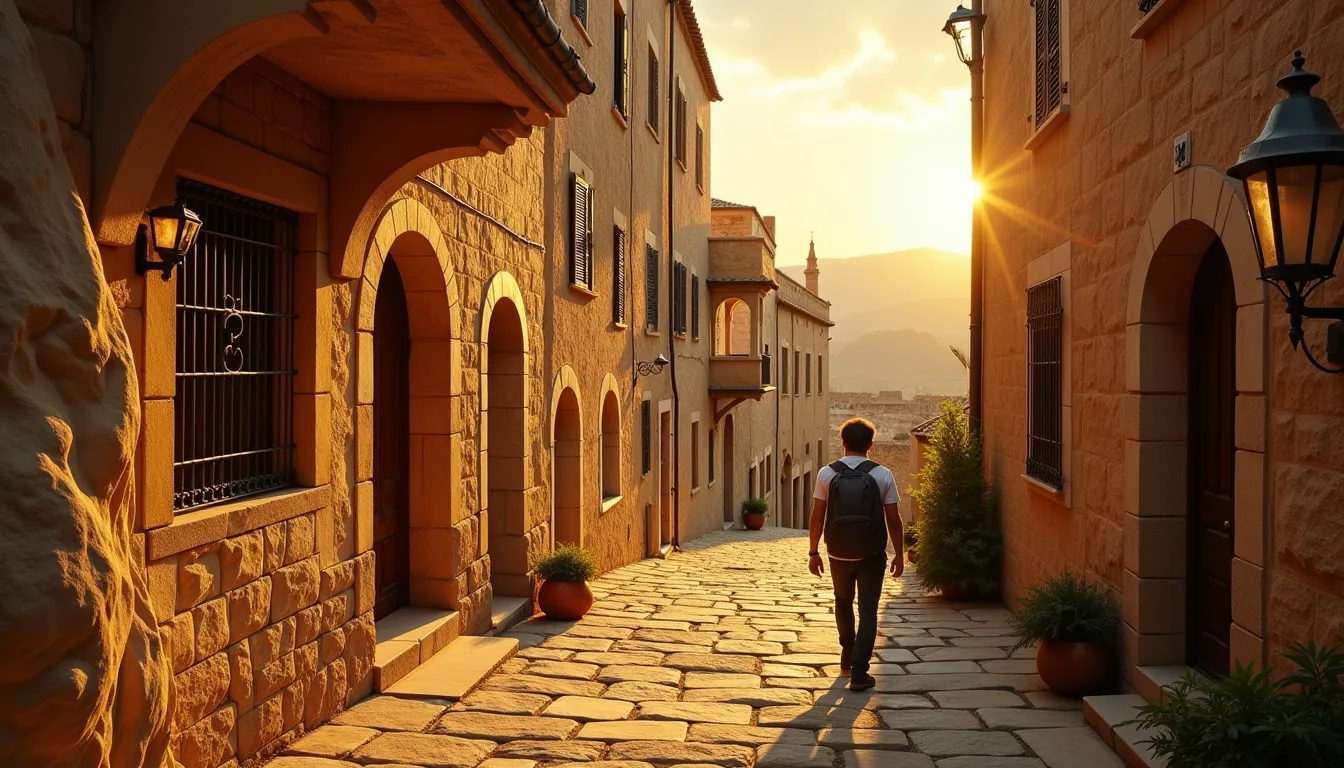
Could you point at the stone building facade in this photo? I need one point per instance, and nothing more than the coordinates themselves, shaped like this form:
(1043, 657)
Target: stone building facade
(772, 447)
(399, 363)
(1144, 415)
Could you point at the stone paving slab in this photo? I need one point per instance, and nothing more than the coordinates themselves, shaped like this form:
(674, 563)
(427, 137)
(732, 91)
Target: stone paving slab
(725, 656)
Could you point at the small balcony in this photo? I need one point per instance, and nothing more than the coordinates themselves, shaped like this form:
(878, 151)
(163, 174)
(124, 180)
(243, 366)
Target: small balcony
(742, 260)
(739, 376)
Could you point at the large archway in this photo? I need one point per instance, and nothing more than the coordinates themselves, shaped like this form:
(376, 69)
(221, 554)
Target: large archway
(412, 462)
(1199, 216)
(505, 515)
(566, 461)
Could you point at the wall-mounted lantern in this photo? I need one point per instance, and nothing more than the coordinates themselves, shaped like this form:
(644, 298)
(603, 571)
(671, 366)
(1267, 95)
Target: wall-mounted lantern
(651, 368)
(1294, 179)
(162, 245)
(961, 25)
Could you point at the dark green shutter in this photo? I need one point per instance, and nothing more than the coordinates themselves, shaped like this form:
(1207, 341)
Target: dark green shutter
(618, 277)
(646, 431)
(651, 266)
(581, 239)
(695, 306)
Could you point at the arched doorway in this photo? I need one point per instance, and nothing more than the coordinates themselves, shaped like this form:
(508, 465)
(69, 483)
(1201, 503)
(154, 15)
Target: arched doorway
(786, 493)
(1212, 454)
(729, 471)
(391, 442)
(505, 419)
(567, 471)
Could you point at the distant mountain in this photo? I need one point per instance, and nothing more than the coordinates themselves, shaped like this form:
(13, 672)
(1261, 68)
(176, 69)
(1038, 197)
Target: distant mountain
(911, 361)
(924, 289)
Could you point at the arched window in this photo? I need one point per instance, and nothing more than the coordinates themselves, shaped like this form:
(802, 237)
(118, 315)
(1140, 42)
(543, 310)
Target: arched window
(611, 446)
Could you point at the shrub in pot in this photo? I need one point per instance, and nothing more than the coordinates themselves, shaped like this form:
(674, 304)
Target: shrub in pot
(911, 539)
(1249, 719)
(960, 544)
(753, 513)
(564, 594)
(1074, 623)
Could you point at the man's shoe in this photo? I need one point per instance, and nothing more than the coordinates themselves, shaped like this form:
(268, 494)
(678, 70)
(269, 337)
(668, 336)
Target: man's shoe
(861, 682)
(846, 659)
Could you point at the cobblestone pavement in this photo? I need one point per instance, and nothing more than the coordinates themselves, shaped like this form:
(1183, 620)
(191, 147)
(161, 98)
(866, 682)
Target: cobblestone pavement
(726, 655)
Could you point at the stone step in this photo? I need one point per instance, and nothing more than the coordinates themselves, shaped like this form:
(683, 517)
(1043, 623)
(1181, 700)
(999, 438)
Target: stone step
(505, 612)
(454, 671)
(409, 637)
(1107, 715)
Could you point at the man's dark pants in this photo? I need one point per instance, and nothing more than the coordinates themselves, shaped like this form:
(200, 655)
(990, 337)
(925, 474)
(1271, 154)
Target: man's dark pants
(863, 577)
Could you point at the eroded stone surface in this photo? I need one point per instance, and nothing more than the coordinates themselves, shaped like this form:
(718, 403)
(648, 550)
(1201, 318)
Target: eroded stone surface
(669, 753)
(484, 725)
(388, 713)
(423, 749)
(332, 741)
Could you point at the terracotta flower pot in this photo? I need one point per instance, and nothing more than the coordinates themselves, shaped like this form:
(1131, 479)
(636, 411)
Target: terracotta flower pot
(910, 555)
(1074, 669)
(565, 600)
(959, 594)
(754, 521)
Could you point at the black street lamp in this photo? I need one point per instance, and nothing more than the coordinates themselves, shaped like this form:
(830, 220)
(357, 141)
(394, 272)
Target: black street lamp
(165, 242)
(1294, 179)
(653, 368)
(961, 26)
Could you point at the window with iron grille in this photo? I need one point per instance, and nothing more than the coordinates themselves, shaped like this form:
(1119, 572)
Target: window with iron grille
(646, 432)
(651, 262)
(700, 157)
(1049, 60)
(618, 276)
(797, 372)
(679, 104)
(234, 407)
(695, 306)
(821, 376)
(1045, 382)
(784, 373)
(653, 91)
(580, 10)
(581, 239)
(620, 83)
(808, 358)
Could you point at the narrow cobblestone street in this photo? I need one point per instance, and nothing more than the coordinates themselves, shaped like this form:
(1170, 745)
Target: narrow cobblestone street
(726, 655)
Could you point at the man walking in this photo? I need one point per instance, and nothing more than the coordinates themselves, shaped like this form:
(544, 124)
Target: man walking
(857, 505)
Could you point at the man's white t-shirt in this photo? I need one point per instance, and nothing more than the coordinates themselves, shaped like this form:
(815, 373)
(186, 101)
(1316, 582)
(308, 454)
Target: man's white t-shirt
(885, 480)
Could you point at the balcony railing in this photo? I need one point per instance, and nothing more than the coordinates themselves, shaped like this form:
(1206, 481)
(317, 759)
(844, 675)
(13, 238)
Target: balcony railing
(765, 369)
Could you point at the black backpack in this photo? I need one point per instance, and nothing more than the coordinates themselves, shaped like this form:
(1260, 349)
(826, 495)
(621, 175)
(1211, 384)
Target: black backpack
(856, 523)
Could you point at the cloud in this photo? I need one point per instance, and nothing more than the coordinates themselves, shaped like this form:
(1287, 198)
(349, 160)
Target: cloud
(915, 115)
(873, 57)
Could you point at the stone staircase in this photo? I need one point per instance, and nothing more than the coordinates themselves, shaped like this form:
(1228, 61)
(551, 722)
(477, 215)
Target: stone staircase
(1107, 715)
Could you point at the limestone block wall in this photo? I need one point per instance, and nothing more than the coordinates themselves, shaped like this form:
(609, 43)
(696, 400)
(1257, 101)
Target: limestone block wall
(62, 31)
(1101, 181)
(265, 107)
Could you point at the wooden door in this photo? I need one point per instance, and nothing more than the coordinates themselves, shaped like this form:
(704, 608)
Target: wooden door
(1212, 446)
(391, 447)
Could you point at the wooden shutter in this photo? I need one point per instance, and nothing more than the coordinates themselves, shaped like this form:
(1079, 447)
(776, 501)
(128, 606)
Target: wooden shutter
(621, 82)
(1049, 60)
(580, 10)
(653, 92)
(618, 276)
(711, 455)
(679, 124)
(646, 432)
(581, 239)
(699, 156)
(679, 298)
(695, 306)
(651, 287)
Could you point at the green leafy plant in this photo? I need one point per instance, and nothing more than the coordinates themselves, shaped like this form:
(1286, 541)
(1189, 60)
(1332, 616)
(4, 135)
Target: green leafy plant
(911, 536)
(754, 507)
(1249, 719)
(567, 562)
(1068, 608)
(960, 543)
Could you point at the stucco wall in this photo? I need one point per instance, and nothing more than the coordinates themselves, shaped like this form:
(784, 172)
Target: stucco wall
(1209, 69)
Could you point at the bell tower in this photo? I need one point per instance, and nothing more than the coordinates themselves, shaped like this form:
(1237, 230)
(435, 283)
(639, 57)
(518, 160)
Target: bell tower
(812, 272)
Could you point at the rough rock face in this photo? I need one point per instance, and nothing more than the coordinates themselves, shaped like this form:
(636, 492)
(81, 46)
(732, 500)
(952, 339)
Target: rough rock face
(83, 678)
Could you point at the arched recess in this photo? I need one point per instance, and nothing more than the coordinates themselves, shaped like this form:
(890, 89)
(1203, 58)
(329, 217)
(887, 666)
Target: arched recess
(566, 459)
(506, 520)
(732, 327)
(1201, 212)
(609, 407)
(409, 237)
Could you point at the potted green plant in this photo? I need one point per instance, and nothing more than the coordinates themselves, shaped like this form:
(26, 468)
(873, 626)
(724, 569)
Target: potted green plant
(960, 543)
(753, 513)
(1075, 624)
(1249, 719)
(564, 594)
(911, 538)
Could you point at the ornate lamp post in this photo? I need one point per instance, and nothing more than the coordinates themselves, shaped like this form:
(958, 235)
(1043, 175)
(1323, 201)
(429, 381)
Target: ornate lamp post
(651, 368)
(1294, 179)
(965, 27)
(165, 242)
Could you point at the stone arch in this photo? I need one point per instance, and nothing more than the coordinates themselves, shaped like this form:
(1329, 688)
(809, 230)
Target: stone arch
(408, 236)
(509, 524)
(610, 479)
(1199, 209)
(732, 327)
(566, 459)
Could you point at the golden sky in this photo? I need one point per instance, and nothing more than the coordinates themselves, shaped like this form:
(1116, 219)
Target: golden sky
(847, 117)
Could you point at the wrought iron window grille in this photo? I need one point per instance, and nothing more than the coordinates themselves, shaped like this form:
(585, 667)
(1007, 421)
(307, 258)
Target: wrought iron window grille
(1045, 382)
(234, 407)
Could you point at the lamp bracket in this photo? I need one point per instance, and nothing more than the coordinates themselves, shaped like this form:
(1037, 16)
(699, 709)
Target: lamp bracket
(143, 265)
(1334, 344)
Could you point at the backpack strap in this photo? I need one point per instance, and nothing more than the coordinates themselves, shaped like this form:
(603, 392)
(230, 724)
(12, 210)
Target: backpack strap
(839, 467)
(867, 466)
